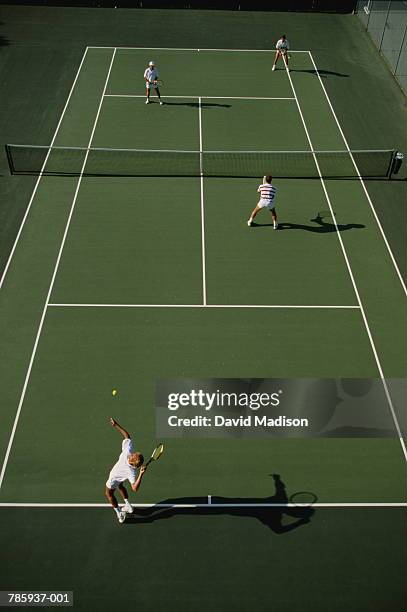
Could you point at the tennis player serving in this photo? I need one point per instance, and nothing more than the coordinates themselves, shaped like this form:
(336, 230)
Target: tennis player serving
(151, 78)
(267, 196)
(129, 467)
(282, 47)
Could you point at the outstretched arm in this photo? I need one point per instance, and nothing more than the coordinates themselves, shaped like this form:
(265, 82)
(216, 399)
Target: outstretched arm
(116, 425)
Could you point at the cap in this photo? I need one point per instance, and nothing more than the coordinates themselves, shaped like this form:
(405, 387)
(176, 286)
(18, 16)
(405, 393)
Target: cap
(151, 63)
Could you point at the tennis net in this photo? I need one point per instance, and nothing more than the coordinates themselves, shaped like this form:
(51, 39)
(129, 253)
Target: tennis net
(76, 161)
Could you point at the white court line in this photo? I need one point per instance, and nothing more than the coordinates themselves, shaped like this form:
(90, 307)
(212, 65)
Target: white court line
(361, 180)
(41, 173)
(309, 306)
(196, 49)
(27, 377)
(213, 506)
(202, 206)
(203, 97)
(350, 271)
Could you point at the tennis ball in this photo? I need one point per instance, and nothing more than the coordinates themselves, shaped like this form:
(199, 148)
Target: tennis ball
(114, 392)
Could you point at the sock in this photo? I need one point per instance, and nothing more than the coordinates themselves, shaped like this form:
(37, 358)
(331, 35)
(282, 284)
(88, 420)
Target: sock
(126, 501)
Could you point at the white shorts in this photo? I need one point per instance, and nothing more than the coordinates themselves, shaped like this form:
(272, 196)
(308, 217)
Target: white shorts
(115, 480)
(112, 482)
(266, 204)
(151, 85)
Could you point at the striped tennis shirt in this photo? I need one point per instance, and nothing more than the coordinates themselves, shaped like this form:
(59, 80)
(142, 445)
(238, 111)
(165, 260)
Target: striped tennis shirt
(267, 191)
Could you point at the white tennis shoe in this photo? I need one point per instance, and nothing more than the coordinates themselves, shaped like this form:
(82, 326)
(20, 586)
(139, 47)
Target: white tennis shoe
(147, 101)
(127, 508)
(273, 68)
(275, 225)
(161, 102)
(249, 222)
(121, 517)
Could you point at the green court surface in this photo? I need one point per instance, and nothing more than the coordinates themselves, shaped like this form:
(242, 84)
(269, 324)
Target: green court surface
(118, 281)
(191, 560)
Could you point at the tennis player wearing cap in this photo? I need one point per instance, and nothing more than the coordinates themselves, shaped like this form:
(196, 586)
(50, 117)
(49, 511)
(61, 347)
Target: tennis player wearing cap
(282, 47)
(267, 196)
(150, 77)
(129, 467)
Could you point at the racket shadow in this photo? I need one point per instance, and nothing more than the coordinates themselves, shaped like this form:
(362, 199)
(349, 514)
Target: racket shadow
(271, 517)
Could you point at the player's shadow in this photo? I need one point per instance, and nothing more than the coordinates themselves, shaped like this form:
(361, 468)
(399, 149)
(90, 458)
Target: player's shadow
(197, 105)
(272, 518)
(321, 227)
(322, 73)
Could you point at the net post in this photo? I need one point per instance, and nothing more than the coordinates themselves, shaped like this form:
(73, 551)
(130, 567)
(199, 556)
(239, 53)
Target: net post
(9, 159)
(397, 161)
(391, 164)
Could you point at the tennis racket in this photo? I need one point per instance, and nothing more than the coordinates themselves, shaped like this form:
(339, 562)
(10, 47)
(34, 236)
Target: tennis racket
(157, 452)
(158, 82)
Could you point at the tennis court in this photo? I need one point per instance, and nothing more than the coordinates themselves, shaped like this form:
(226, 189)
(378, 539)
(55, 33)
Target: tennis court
(137, 278)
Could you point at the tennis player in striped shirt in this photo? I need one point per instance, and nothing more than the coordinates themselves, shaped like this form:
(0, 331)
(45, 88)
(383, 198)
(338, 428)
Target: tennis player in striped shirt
(267, 196)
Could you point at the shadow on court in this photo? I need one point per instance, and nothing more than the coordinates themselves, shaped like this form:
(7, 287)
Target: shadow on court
(4, 42)
(196, 104)
(271, 518)
(322, 73)
(322, 227)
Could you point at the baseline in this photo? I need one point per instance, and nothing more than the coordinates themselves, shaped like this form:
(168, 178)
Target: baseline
(199, 97)
(212, 505)
(309, 306)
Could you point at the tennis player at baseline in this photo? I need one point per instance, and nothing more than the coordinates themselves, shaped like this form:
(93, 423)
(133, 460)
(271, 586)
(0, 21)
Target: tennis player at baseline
(267, 196)
(282, 47)
(150, 77)
(128, 468)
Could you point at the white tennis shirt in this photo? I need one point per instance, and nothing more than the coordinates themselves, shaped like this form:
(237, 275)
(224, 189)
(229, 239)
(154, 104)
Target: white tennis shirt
(282, 44)
(151, 74)
(122, 470)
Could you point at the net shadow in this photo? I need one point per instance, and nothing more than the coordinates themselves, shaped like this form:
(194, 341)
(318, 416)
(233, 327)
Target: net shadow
(4, 41)
(195, 104)
(274, 518)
